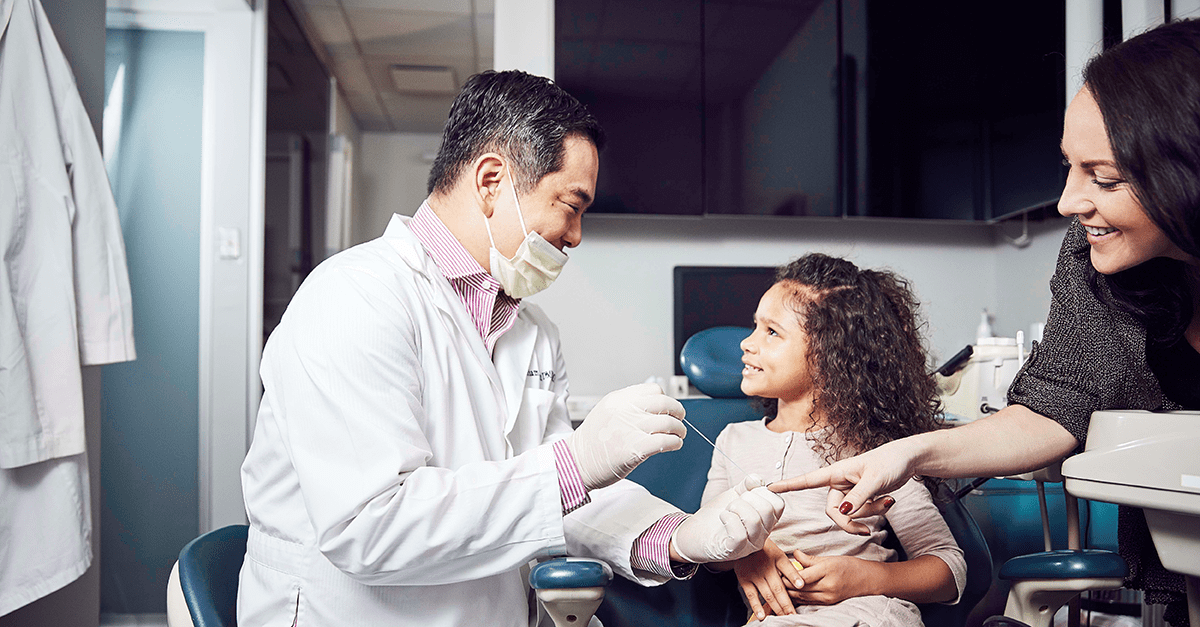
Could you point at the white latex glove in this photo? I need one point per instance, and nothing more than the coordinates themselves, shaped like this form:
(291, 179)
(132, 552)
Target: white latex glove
(624, 429)
(732, 526)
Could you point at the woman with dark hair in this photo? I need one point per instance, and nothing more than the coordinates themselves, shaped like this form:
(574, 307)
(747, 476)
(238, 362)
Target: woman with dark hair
(1124, 325)
(837, 356)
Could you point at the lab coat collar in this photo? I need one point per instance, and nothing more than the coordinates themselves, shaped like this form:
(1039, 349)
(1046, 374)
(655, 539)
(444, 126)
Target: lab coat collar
(6, 10)
(514, 350)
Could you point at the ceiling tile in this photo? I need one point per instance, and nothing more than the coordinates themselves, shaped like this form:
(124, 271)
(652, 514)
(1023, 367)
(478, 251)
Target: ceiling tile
(368, 112)
(461, 7)
(330, 25)
(351, 74)
(412, 34)
(379, 68)
(417, 114)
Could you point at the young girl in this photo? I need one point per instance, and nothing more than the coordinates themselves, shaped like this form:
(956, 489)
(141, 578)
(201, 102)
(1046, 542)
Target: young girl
(837, 356)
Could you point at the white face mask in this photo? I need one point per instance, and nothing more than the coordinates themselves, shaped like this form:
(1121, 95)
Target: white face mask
(532, 268)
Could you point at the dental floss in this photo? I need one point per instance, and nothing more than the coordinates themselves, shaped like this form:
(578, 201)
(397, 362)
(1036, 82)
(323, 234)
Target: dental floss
(714, 445)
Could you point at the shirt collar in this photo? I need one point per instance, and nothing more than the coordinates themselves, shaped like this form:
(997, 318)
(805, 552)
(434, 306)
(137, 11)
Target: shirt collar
(447, 252)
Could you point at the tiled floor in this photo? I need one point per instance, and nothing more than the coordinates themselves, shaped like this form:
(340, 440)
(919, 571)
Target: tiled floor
(133, 620)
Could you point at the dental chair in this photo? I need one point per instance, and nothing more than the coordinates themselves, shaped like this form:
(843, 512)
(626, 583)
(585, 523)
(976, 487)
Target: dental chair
(202, 588)
(1044, 582)
(712, 361)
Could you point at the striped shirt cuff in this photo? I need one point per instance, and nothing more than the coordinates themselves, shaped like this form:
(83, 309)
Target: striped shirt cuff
(651, 551)
(570, 482)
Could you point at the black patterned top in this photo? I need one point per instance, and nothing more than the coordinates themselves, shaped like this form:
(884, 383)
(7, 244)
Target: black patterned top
(1094, 358)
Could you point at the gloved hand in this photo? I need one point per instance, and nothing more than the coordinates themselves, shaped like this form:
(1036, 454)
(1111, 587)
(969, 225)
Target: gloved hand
(624, 429)
(733, 525)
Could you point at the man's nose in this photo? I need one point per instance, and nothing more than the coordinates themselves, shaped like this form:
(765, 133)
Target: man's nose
(574, 235)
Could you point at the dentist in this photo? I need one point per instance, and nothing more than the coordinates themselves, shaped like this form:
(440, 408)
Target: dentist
(413, 450)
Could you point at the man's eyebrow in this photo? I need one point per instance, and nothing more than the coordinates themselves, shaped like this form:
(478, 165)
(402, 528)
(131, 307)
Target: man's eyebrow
(581, 195)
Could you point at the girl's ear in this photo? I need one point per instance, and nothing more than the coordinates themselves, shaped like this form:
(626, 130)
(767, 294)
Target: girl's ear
(488, 171)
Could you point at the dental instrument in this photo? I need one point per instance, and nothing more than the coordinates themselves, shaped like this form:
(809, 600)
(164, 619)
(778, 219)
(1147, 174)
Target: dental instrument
(714, 445)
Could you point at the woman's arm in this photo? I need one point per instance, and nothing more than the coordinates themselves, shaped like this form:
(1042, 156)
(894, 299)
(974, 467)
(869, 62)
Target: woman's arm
(1011, 441)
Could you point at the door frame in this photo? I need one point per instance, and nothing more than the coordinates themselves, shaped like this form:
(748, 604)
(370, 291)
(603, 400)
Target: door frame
(232, 163)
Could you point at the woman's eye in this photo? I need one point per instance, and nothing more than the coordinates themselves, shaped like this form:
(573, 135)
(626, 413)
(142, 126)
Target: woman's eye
(1106, 185)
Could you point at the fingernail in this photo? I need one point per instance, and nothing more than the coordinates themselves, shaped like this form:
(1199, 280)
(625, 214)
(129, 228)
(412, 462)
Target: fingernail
(888, 501)
(845, 507)
(761, 616)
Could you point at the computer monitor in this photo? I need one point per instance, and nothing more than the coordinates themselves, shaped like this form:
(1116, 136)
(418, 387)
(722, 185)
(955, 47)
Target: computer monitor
(714, 296)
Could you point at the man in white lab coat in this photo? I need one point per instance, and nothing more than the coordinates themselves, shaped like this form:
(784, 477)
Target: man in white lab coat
(413, 450)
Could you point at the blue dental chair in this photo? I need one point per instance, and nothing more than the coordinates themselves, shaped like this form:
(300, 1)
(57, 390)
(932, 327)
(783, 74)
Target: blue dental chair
(202, 589)
(712, 360)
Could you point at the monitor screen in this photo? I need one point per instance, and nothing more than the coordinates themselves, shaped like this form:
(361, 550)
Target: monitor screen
(715, 296)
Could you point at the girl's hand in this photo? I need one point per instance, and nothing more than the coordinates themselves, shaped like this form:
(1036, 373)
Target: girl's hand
(829, 580)
(768, 574)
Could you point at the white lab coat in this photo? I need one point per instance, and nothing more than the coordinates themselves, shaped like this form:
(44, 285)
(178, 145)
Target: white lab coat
(64, 289)
(400, 476)
(64, 301)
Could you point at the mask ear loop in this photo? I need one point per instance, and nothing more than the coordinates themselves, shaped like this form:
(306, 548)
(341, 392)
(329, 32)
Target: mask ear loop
(520, 214)
(487, 223)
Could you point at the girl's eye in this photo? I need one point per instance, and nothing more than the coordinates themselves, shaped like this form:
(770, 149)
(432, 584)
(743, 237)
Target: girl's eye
(771, 331)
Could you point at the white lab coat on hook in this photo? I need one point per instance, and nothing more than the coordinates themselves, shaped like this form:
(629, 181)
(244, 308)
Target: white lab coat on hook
(401, 475)
(64, 302)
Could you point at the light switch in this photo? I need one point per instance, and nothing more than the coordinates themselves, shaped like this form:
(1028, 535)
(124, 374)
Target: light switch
(230, 239)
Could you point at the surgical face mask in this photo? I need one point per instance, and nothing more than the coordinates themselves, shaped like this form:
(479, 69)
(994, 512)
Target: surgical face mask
(532, 268)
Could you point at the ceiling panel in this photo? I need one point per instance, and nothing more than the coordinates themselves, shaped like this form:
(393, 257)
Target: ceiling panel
(419, 114)
(361, 39)
(330, 25)
(462, 7)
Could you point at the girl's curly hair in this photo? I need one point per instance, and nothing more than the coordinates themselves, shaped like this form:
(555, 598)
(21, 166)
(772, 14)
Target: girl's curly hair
(865, 354)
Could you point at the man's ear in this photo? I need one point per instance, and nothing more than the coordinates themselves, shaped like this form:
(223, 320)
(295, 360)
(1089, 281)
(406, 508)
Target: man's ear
(489, 170)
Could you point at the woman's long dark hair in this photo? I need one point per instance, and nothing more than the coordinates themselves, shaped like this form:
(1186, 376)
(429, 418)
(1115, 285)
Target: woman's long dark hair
(865, 353)
(1148, 91)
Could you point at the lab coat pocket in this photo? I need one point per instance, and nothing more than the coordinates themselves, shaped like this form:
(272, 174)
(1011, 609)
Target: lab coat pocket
(528, 428)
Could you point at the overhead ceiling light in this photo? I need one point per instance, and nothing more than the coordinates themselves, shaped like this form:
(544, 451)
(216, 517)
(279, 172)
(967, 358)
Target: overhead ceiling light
(424, 79)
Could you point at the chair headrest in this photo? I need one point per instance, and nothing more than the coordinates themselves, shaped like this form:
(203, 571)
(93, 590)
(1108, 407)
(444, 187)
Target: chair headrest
(712, 361)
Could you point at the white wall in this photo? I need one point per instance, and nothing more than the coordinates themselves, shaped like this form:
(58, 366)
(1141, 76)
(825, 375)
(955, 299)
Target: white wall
(1023, 275)
(391, 174)
(613, 302)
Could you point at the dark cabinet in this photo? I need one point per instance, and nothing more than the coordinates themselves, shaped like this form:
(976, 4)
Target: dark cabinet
(828, 108)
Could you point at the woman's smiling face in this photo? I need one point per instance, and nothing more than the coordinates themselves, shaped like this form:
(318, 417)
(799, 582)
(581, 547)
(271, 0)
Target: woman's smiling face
(1119, 231)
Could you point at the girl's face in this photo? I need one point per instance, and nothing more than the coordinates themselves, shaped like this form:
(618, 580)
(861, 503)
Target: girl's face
(1120, 233)
(776, 353)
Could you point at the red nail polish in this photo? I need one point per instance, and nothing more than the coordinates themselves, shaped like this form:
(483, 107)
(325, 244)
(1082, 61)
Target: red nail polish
(889, 501)
(845, 507)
